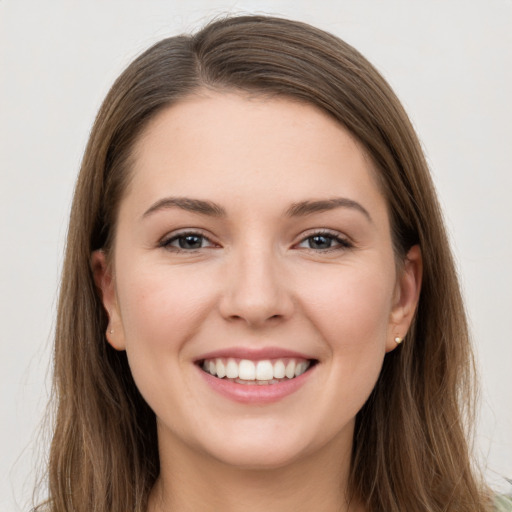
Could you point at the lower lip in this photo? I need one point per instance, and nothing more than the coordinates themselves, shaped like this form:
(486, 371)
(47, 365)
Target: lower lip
(256, 394)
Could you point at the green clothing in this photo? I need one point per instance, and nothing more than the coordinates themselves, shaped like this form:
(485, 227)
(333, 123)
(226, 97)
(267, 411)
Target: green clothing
(503, 503)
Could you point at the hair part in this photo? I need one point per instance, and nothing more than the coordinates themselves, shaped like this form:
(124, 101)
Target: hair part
(410, 447)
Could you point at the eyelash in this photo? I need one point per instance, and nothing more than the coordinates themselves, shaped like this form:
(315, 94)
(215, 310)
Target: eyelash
(166, 242)
(342, 242)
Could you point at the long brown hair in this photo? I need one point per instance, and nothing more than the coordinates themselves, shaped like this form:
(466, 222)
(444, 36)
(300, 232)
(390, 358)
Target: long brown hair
(410, 447)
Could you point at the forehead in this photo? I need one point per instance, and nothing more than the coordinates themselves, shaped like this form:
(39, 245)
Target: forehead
(228, 143)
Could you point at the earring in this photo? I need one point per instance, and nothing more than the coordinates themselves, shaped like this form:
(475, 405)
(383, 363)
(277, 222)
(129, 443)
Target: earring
(398, 340)
(112, 331)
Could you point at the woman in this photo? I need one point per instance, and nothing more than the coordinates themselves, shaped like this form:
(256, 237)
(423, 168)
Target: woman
(259, 309)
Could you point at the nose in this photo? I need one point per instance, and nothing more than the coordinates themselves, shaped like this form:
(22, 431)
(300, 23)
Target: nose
(256, 291)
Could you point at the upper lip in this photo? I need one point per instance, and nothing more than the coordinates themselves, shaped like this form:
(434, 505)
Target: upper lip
(254, 354)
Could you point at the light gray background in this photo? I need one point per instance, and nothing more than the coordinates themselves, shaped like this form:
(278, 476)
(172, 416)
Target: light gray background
(450, 63)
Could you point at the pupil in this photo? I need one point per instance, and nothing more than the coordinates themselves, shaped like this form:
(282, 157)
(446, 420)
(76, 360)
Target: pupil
(320, 242)
(190, 242)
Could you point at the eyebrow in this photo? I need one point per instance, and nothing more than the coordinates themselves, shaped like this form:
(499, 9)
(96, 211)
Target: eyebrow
(304, 208)
(188, 204)
(300, 209)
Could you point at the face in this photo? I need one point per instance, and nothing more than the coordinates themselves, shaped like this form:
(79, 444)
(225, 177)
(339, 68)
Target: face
(253, 283)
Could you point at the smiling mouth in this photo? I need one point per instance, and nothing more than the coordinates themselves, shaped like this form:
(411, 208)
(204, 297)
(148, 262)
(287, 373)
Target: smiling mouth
(262, 372)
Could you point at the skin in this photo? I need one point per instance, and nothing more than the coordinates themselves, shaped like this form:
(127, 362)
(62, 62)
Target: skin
(257, 280)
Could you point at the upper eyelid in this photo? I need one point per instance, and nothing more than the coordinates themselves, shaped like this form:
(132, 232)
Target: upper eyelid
(324, 231)
(183, 232)
(171, 237)
(327, 231)
(343, 241)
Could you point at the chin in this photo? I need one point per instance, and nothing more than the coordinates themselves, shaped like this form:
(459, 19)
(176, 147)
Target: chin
(270, 446)
(257, 458)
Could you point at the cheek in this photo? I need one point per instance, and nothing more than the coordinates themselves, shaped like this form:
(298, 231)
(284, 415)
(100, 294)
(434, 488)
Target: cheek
(357, 300)
(352, 316)
(352, 313)
(162, 306)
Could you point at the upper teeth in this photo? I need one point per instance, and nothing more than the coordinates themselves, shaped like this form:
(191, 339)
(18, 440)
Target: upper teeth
(263, 370)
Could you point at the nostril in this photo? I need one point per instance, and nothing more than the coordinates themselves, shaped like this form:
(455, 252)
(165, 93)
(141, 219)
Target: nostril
(253, 319)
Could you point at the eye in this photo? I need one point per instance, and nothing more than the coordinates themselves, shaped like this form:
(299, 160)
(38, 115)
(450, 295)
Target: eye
(187, 242)
(324, 241)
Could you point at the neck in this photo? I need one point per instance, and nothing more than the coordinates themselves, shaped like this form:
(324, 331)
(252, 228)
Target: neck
(191, 481)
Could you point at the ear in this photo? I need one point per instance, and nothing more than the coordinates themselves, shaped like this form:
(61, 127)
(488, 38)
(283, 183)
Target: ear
(407, 293)
(104, 280)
